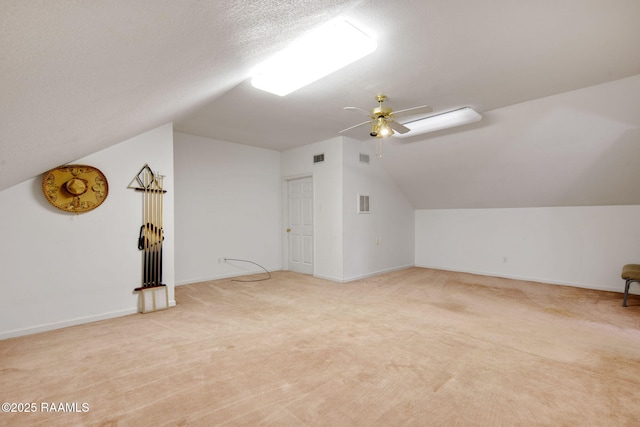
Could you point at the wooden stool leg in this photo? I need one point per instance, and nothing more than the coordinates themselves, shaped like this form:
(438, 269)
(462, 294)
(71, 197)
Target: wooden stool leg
(626, 292)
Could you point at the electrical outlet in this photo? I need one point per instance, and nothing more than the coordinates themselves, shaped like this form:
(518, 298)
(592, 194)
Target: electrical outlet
(378, 241)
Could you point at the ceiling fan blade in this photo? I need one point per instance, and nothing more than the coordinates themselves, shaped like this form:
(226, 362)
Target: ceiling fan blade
(355, 126)
(357, 109)
(423, 109)
(399, 127)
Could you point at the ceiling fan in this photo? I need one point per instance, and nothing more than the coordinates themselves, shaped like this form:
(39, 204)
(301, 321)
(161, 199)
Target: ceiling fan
(382, 119)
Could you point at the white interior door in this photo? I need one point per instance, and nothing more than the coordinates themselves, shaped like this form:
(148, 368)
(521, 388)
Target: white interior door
(300, 227)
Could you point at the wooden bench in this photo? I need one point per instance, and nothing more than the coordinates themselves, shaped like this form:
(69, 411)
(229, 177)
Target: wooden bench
(630, 273)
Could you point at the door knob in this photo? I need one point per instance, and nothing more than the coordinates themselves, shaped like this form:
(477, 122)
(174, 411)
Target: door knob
(288, 230)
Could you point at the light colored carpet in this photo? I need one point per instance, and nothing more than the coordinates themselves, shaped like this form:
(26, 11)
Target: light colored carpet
(415, 347)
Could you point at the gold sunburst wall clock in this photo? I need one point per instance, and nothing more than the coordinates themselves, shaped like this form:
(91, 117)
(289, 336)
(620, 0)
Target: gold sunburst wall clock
(75, 188)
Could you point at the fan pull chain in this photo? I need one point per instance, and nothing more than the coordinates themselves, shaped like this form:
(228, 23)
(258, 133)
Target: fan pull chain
(379, 148)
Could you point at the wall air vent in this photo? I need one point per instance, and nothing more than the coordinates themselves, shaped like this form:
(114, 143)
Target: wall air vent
(318, 158)
(363, 204)
(364, 158)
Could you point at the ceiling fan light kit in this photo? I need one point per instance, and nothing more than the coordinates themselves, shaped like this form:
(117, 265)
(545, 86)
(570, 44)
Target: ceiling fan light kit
(319, 53)
(381, 128)
(448, 119)
(383, 118)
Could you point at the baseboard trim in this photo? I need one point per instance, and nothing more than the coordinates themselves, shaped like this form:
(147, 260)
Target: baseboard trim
(363, 276)
(527, 278)
(377, 273)
(66, 323)
(72, 322)
(221, 276)
(330, 278)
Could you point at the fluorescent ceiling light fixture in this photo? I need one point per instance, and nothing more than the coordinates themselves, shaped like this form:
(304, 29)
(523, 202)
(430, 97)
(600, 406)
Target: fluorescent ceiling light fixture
(461, 116)
(319, 53)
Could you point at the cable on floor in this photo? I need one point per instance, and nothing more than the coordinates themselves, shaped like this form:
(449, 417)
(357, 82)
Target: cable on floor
(254, 263)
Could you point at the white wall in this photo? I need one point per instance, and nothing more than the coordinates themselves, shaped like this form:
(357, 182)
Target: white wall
(227, 206)
(345, 242)
(327, 199)
(579, 246)
(382, 240)
(60, 269)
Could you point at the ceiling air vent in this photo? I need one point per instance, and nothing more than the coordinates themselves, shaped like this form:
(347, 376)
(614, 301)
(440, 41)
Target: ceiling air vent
(318, 158)
(364, 158)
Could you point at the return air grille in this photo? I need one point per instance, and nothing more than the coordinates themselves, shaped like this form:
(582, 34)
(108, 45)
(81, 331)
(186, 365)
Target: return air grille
(363, 203)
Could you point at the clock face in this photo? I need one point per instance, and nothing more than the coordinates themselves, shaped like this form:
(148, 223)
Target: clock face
(75, 188)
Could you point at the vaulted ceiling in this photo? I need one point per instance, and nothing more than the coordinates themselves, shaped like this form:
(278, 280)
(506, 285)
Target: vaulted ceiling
(78, 77)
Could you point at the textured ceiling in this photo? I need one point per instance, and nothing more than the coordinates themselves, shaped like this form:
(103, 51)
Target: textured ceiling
(78, 77)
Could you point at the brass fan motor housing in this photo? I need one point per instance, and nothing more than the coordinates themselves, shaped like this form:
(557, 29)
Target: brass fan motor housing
(381, 112)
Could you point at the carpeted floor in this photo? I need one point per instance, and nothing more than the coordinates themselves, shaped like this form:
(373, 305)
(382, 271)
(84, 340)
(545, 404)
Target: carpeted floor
(416, 347)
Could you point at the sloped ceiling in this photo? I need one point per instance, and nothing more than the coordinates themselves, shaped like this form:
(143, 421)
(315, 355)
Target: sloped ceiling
(78, 77)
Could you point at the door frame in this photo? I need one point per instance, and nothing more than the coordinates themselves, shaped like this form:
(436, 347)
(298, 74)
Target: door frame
(285, 218)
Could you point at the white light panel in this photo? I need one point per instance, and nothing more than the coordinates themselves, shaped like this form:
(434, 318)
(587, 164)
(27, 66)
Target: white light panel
(461, 116)
(321, 52)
